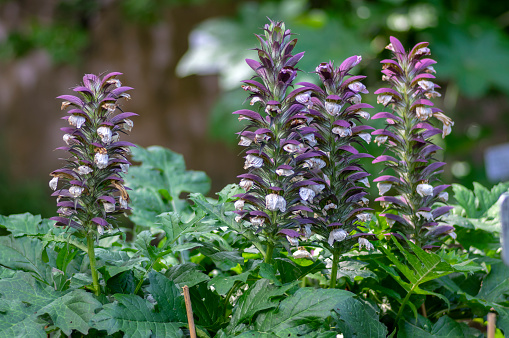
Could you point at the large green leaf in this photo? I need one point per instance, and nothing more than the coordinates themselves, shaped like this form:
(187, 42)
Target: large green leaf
(158, 182)
(25, 253)
(309, 307)
(290, 271)
(111, 263)
(354, 268)
(356, 318)
(189, 274)
(260, 296)
(25, 302)
(23, 224)
(206, 315)
(421, 267)
(137, 317)
(495, 286)
(444, 327)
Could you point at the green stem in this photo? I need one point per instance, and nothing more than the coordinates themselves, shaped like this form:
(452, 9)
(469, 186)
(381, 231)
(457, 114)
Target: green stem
(334, 271)
(400, 312)
(140, 283)
(93, 269)
(268, 254)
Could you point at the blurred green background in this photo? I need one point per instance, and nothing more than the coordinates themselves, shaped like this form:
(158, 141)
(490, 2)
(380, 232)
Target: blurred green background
(186, 58)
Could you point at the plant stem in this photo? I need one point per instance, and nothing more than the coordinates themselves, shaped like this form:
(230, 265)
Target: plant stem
(93, 269)
(334, 271)
(268, 254)
(142, 279)
(400, 312)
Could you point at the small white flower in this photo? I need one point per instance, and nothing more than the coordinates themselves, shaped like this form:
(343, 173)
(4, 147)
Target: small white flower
(258, 220)
(76, 191)
(317, 188)
(329, 207)
(110, 107)
(101, 159)
(384, 99)
(365, 243)
(128, 125)
(261, 137)
(105, 134)
(307, 230)
(108, 207)
(426, 85)
(53, 183)
(365, 181)
(314, 163)
(383, 187)
(122, 202)
(381, 139)
(310, 138)
(364, 217)
(115, 137)
(357, 86)
(284, 172)
(238, 218)
(342, 131)
(305, 99)
(116, 82)
(424, 189)
(246, 184)
(390, 47)
(447, 121)
(333, 108)
(336, 235)
(124, 167)
(385, 204)
(432, 94)
(83, 170)
(423, 113)
(274, 202)
(426, 214)
(430, 69)
(355, 99)
(254, 100)
(245, 141)
(443, 196)
(253, 161)
(100, 230)
(239, 204)
(293, 241)
(364, 114)
(306, 194)
(366, 137)
(423, 51)
(68, 139)
(302, 253)
(291, 148)
(76, 121)
(363, 201)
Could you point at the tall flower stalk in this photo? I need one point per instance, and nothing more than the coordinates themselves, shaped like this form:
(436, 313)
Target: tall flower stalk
(91, 192)
(273, 141)
(408, 136)
(340, 206)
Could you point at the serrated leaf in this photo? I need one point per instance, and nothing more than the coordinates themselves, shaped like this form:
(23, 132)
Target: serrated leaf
(465, 199)
(207, 316)
(112, 263)
(189, 274)
(23, 224)
(267, 271)
(495, 286)
(356, 318)
(354, 268)
(122, 283)
(257, 298)
(137, 317)
(25, 253)
(223, 284)
(306, 307)
(290, 271)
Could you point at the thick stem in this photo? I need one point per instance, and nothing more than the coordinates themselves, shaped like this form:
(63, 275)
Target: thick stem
(268, 254)
(93, 269)
(334, 271)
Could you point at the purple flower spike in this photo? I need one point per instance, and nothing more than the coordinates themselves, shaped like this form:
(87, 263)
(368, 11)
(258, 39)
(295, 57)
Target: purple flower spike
(94, 188)
(408, 138)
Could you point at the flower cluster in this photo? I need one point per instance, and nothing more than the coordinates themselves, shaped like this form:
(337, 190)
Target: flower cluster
(91, 189)
(275, 150)
(339, 204)
(408, 136)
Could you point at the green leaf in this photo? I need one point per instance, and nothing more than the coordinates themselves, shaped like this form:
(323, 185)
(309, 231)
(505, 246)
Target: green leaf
(28, 300)
(306, 307)
(137, 317)
(257, 298)
(189, 274)
(444, 327)
(23, 224)
(25, 254)
(495, 286)
(354, 268)
(207, 316)
(267, 271)
(291, 271)
(111, 263)
(223, 284)
(356, 318)
(158, 183)
(465, 199)
(122, 283)
(422, 267)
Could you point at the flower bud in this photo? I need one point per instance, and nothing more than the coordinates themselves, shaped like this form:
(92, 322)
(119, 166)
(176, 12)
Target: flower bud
(365, 243)
(53, 183)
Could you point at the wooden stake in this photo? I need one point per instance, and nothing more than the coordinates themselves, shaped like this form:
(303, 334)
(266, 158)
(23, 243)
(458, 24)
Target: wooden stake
(189, 310)
(492, 319)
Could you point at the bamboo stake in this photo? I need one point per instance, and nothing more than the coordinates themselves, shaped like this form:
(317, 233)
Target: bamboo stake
(492, 319)
(189, 310)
